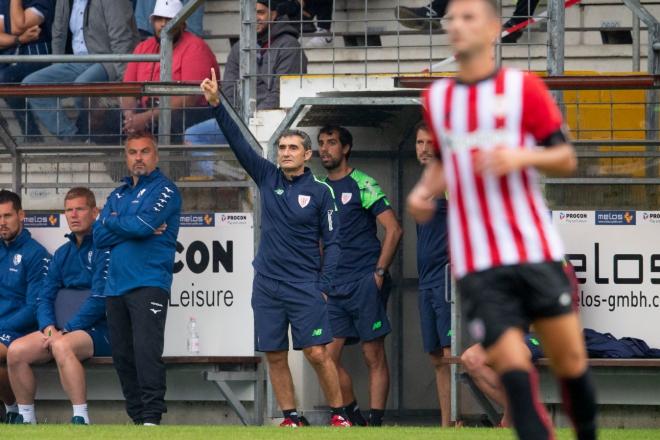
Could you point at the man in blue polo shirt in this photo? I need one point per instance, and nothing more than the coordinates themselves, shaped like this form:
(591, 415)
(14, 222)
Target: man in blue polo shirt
(23, 266)
(292, 275)
(357, 305)
(434, 282)
(140, 224)
(73, 330)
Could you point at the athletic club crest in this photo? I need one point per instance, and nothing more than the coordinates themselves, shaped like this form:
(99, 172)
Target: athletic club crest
(346, 197)
(17, 259)
(303, 200)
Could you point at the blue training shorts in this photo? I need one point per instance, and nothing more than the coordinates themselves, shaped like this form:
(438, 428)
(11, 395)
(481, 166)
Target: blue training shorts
(435, 318)
(100, 339)
(276, 304)
(8, 336)
(358, 310)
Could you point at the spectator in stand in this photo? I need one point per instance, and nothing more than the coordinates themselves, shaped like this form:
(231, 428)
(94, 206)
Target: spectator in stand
(307, 10)
(281, 55)
(24, 30)
(144, 8)
(192, 60)
(423, 17)
(83, 27)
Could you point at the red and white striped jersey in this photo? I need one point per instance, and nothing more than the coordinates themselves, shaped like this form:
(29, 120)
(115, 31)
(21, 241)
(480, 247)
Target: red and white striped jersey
(494, 221)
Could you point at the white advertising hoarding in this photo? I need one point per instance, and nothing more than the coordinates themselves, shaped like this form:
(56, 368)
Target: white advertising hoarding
(212, 280)
(616, 257)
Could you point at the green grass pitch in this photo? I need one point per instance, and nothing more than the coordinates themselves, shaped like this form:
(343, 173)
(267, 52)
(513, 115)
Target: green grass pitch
(68, 432)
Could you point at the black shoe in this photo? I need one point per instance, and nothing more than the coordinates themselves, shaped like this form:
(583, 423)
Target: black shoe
(10, 417)
(418, 18)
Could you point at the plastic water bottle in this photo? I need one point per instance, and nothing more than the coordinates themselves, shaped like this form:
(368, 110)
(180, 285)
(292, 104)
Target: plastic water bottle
(193, 336)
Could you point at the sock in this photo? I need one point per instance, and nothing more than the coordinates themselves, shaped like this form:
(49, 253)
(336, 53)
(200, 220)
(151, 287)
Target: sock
(291, 414)
(27, 411)
(11, 408)
(530, 417)
(579, 399)
(81, 411)
(376, 417)
(355, 415)
(150, 424)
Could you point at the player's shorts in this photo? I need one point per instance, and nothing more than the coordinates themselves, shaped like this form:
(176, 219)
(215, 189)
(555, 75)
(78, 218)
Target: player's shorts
(100, 339)
(277, 304)
(435, 318)
(358, 310)
(497, 299)
(8, 336)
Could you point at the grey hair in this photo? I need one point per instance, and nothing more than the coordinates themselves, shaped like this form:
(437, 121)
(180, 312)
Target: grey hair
(307, 142)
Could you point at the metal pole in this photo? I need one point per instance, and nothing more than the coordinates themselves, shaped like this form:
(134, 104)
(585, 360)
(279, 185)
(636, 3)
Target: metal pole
(89, 58)
(248, 59)
(16, 173)
(556, 21)
(636, 45)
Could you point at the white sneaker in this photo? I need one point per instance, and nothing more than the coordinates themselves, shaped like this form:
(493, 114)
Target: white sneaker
(319, 41)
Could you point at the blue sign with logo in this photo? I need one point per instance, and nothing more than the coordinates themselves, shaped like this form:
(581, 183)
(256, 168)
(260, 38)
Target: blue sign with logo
(616, 218)
(42, 221)
(197, 220)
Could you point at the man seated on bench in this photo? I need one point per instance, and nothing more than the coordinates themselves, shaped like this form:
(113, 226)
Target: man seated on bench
(71, 314)
(475, 363)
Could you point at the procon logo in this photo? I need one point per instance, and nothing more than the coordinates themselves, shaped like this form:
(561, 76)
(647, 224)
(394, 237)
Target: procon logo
(42, 221)
(233, 219)
(573, 217)
(651, 217)
(615, 218)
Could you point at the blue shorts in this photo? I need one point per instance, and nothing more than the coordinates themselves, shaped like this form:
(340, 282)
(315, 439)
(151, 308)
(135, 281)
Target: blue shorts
(358, 310)
(100, 339)
(435, 318)
(534, 346)
(8, 336)
(277, 304)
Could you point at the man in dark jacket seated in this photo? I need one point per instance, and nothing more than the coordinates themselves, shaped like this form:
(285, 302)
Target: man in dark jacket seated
(71, 314)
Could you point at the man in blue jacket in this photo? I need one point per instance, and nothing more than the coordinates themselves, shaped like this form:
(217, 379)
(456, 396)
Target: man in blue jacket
(77, 272)
(140, 224)
(23, 266)
(292, 276)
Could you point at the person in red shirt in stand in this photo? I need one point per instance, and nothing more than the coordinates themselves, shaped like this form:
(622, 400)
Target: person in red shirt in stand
(192, 59)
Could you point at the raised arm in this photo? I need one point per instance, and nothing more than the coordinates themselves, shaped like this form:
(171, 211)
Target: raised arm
(256, 166)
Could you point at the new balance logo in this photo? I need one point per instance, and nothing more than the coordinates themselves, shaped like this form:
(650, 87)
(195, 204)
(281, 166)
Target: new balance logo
(377, 325)
(317, 332)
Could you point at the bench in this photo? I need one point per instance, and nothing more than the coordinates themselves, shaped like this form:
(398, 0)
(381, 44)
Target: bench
(220, 370)
(613, 386)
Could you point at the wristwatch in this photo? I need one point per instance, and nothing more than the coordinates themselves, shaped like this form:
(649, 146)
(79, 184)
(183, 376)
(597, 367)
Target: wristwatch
(380, 271)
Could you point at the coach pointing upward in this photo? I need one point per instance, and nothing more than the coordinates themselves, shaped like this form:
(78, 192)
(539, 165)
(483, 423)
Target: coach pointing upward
(291, 275)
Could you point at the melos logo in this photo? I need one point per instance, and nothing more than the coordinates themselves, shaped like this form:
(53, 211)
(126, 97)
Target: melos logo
(624, 218)
(197, 220)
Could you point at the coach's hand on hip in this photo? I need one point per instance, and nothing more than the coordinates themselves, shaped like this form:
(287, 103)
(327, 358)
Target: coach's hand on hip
(210, 89)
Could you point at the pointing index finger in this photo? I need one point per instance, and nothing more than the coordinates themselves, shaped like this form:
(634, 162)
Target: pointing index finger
(213, 78)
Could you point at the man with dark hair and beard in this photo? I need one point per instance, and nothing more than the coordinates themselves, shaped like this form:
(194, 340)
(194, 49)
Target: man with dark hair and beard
(23, 267)
(357, 304)
(192, 59)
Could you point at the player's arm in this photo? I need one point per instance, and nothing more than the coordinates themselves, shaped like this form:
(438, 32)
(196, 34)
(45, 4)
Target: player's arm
(255, 165)
(431, 186)
(103, 236)
(93, 309)
(158, 206)
(329, 221)
(52, 283)
(25, 316)
(391, 238)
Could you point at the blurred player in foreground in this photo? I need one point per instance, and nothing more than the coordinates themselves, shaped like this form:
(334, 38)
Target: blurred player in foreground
(495, 129)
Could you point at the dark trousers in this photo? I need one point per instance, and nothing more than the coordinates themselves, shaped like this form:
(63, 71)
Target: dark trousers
(136, 324)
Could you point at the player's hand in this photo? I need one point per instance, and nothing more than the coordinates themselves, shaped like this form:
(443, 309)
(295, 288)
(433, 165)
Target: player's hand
(49, 331)
(30, 34)
(421, 204)
(499, 161)
(160, 229)
(136, 122)
(379, 281)
(210, 89)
